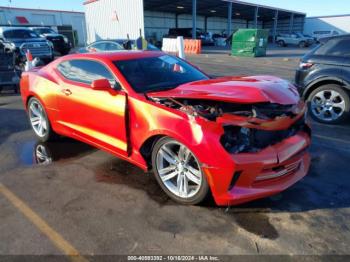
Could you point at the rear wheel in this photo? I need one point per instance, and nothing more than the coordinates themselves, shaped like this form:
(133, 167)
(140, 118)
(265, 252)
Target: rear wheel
(329, 104)
(281, 43)
(179, 172)
(39, 121)
(302, 44)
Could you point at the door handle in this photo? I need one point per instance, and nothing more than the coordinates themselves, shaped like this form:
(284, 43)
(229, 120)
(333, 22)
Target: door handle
(67, 92)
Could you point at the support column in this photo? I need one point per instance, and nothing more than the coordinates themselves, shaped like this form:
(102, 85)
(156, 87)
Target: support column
(206, 24)
(176, 20)
(194, 19)
(256, 17)
(229, 18)
(274, 30)
(291, 23)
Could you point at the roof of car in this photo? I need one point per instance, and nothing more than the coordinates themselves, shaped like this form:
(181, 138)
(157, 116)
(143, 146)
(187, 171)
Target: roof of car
(119, 55)
(325, 39)
(5, 28)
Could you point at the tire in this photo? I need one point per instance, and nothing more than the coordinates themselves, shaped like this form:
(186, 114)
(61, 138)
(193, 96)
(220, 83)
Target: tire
(281, 43)
(302, 44)
(38, 117)
(321, 104)
(16, 89)
(195, 178)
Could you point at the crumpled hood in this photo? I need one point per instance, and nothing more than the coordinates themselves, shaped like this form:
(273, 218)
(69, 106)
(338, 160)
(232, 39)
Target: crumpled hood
(245, 89)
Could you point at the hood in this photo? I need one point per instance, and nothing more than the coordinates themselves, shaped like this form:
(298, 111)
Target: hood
(51, 35)
(252, 89)
(25, 40)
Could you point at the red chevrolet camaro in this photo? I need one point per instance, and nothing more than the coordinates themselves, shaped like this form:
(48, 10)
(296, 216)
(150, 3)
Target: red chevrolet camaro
(237, 138)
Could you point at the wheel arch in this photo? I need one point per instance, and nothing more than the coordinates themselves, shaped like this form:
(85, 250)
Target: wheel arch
(325, 81)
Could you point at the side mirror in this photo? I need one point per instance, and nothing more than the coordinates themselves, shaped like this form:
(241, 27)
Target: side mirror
(101, 84)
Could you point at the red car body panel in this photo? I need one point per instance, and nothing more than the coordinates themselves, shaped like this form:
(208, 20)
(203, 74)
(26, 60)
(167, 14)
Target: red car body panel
(122, 122)
(253, 89)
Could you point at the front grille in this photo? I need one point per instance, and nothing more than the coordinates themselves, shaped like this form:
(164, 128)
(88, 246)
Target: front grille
(37, 49)
(249, 140)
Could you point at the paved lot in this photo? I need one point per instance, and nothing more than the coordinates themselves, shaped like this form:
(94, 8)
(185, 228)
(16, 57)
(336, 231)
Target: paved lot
(88, 201)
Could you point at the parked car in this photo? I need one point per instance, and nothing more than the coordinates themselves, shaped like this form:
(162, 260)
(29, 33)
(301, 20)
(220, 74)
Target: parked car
(323, 79)
(61, 43)
(19, 40)
(207, 38)
(9, 75)
(112, 46)
(238, 138)
(317, 35)
(294, 39)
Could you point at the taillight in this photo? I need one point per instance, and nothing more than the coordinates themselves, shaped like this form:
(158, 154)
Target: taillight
(303, 65)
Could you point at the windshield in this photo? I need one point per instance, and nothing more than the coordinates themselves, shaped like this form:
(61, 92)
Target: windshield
(158, 73)
(45, 31)
(20, 33)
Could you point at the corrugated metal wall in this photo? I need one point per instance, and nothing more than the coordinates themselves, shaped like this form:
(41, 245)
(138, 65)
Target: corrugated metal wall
(108, 19)
(284, 25)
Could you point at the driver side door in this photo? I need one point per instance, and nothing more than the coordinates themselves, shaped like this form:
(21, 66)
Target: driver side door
(95, 116)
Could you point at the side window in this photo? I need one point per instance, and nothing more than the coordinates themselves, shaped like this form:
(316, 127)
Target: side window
(98, 46)
(335, 47)
(112, 46)
(85, 71)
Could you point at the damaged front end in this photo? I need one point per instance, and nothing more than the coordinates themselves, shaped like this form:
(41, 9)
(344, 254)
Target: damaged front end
(247, 128)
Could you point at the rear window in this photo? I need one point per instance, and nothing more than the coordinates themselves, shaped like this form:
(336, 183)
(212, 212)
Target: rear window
(335, 47)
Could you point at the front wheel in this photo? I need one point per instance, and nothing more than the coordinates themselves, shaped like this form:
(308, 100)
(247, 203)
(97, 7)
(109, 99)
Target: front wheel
(39, 121)
(179, 172)
(329, 104)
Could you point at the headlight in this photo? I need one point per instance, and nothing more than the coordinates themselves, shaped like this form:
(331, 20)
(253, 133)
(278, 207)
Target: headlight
(305, 65)
(66, 40)
(50, 44)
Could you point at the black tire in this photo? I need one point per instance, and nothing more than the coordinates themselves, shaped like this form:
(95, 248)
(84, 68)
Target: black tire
(344, 96)
(16, 89)
(203, 191)
(281, 43)
(302, 44)
(50, 135)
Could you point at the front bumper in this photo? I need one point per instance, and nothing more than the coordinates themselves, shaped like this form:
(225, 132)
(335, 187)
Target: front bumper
(251, 176)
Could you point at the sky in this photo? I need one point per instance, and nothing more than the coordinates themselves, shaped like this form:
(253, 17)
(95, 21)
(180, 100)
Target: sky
(311, 7)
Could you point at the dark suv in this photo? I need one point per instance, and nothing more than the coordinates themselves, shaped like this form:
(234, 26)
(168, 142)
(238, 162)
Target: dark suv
(61, 43)
(20, 40)
(323, 79)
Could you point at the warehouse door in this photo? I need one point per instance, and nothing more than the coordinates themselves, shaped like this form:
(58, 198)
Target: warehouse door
(69, 32)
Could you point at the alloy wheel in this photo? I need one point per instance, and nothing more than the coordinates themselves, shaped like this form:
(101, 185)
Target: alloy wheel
(42, 156)
(328, 105)
(179, 170)
(38, 118)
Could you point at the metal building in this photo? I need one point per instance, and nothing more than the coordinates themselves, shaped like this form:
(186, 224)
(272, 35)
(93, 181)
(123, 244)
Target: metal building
(117, 18)
(69, 23)
(338, 23)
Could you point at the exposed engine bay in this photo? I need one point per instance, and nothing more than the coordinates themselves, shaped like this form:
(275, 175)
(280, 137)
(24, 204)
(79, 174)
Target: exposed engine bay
(247, 127)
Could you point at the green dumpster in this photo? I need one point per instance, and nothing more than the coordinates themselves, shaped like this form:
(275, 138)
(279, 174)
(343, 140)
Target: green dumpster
(250, 42)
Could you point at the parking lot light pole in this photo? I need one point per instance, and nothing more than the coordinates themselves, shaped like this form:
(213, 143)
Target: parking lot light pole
(256, 15)
(229, 18)
(194, 19)
(275, 23)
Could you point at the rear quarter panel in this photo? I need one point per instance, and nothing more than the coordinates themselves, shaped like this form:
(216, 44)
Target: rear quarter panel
(37, 83)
